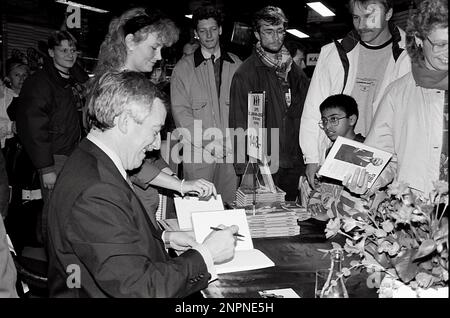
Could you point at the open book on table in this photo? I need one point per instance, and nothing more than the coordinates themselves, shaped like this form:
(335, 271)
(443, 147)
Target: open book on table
(187, 205)
(246, 257)
(347, 155)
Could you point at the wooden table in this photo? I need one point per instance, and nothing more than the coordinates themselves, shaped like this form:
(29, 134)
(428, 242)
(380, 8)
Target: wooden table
(296, 259)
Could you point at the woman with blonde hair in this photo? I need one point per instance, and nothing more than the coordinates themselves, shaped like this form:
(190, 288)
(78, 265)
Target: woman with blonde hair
(134, 42)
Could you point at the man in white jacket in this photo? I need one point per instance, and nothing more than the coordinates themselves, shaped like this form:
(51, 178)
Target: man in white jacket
(362, 65)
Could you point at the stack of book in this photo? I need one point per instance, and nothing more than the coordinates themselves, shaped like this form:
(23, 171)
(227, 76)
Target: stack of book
(245, 197)
(301, 212)
(273, 223)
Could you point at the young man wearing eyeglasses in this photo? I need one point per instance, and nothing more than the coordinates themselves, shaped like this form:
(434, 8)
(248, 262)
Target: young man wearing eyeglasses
(49, 121)
(362, 65)
(270, 68)
(339, 116)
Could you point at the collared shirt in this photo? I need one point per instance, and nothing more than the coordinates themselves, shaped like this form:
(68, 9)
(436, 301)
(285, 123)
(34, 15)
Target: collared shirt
(111, 154)
(207, 55)
(200, 55)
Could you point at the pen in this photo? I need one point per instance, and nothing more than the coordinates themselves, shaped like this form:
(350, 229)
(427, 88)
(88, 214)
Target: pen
(219, 229)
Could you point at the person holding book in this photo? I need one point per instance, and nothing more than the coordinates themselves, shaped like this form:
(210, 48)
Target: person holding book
(339, 116)
(362, 65)
(412, 119)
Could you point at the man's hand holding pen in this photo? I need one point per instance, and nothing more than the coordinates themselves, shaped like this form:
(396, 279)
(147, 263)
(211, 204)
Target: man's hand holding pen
(219, 229)
(221, 243)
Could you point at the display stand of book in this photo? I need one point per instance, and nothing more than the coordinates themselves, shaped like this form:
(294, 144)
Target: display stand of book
(264, 203)
(257, 189)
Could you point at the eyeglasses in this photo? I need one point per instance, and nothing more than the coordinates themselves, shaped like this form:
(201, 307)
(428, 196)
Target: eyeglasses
(66, 50)
(271, 33)
(437, 47)
(334, 121)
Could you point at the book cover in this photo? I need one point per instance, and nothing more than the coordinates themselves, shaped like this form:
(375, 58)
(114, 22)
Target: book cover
(347, 155)
(187, 205)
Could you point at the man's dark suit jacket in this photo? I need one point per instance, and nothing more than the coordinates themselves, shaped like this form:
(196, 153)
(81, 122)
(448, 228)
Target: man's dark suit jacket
(97, 222)
(357, 156)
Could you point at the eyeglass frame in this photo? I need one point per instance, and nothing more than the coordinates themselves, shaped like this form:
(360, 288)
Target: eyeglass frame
(433, 45)
(271, 33)
(66, 51)
(333, 122)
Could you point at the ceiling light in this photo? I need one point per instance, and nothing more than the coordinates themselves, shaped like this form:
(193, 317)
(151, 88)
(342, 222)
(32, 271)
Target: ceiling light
(189, 16)
(321, 9)
(82, 6)
(297, 33)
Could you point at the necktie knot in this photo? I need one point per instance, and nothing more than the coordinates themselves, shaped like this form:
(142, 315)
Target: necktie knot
(213, 58)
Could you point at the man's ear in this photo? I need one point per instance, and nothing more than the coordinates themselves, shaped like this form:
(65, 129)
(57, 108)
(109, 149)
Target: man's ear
(196, 35)
(353, 119)
(121, 122)
(257, 35)
(419, 42)
(51, 53)
(220, 30)
(389, 14)
(129, 42)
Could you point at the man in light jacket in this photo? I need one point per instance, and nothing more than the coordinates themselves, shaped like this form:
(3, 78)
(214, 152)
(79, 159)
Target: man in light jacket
(362, 65)
(200, 96)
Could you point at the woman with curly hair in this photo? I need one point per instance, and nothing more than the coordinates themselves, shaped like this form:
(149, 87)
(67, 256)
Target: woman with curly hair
(134, 42)
(412, 120)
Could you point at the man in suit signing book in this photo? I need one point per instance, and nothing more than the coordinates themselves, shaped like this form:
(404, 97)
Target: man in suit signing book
(101, 241)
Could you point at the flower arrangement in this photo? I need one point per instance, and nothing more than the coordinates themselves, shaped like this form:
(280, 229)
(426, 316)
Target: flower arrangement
(402, 240)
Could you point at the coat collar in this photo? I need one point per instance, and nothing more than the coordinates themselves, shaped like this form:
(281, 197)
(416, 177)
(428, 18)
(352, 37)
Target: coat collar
(93, 149)
(77, 74)
(198, 56)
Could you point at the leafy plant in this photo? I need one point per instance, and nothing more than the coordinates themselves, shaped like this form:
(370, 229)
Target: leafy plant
(403, 235)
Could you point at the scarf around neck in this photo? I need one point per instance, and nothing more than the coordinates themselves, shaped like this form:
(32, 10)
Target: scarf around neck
(282, 62)
(427, 78)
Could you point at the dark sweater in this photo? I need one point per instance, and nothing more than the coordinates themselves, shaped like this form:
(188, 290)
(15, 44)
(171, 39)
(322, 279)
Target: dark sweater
(47, 117)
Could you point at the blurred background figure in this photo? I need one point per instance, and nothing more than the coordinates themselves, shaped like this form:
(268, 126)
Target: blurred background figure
(190, 47)
(48, 120)
(8, 274)
(298, 53)
(16, 73)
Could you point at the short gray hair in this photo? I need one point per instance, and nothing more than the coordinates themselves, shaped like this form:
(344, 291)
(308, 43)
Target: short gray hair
(114, 93)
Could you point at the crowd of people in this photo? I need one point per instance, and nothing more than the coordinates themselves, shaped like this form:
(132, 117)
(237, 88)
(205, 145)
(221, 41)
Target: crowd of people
(87, 146)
